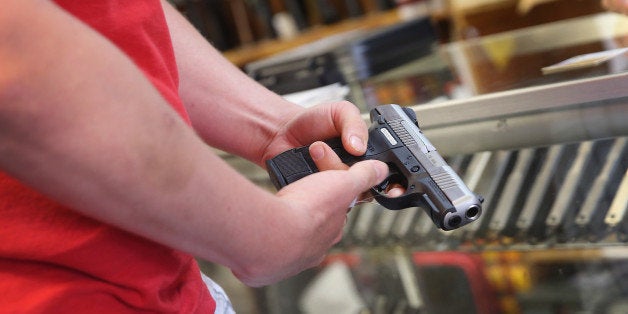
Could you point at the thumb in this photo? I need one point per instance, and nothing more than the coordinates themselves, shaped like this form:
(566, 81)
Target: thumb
(366, 174)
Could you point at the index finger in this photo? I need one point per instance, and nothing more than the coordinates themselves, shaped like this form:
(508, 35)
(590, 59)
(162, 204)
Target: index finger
(325, 158)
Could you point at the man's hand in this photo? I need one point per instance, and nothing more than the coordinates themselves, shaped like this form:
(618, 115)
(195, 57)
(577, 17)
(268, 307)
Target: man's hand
(316, 208)
(320, 123)
(325, 159)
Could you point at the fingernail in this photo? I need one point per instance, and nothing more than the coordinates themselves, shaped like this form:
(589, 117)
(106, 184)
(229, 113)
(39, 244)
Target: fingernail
(356, 143)
(317, 151)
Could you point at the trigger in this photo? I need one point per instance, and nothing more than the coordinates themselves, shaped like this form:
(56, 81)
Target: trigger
(394, 177)
(383, 185)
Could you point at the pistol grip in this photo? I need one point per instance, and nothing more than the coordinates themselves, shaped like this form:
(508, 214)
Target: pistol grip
(297, 163)
(290, 166)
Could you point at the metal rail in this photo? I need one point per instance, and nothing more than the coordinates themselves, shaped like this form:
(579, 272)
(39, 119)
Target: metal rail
(573, 111)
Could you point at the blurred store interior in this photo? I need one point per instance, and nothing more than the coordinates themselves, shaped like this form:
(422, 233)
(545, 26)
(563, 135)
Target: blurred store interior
(527, 100)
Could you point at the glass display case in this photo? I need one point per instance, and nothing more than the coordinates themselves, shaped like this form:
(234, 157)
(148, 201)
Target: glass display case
(547, 147)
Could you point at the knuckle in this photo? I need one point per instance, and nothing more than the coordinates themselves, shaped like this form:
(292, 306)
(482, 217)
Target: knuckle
(363, 176)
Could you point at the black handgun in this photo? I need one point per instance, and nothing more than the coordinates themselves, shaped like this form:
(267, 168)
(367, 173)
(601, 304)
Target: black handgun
(413, 162)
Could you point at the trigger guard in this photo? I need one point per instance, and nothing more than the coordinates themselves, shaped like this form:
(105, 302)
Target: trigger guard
(393, 177)
(394, 203)
(406, 200)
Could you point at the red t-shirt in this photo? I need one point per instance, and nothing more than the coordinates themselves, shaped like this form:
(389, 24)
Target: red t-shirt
(57, 261)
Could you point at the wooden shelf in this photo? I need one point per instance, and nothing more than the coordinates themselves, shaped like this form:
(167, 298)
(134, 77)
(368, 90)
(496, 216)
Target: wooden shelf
(246, 54)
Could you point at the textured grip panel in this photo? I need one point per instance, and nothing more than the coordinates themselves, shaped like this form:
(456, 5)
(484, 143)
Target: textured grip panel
(290, 166)
(296, 163)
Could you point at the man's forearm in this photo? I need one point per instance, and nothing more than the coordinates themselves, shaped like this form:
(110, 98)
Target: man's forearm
(80, 123)
(222, 101)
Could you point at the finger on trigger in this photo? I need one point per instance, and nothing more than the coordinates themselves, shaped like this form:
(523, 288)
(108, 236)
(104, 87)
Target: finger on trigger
(367, 174)
(325, 158)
